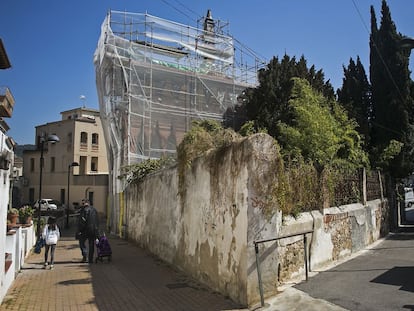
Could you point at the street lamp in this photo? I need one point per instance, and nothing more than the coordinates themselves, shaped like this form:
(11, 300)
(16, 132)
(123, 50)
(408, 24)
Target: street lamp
(51, 139)
(73, 164)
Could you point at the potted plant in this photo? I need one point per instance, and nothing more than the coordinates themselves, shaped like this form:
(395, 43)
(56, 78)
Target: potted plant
(12, 215)
(26, 214)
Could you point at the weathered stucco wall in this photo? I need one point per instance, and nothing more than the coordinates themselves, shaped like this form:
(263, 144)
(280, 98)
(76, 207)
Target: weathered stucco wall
(337, 233)
(207, 227)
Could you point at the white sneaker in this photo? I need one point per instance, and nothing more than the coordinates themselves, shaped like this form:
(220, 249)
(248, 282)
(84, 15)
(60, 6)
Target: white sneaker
(51, 267)
(45, 265)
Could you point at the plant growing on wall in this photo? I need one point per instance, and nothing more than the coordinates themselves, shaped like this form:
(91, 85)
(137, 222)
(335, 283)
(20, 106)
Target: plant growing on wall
(203, 136)
(295, 190)
(134, 173)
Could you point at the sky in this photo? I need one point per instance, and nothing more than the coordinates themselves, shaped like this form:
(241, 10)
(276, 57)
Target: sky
(50, 43)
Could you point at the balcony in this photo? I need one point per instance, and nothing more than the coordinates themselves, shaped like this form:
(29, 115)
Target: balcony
(83, 146)
(6, 102)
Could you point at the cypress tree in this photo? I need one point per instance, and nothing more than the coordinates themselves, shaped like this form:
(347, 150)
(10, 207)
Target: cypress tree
(355, 97)
(392, 103)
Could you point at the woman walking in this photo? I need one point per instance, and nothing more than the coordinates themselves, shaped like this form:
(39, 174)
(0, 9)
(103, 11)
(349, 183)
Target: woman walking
(51, 235)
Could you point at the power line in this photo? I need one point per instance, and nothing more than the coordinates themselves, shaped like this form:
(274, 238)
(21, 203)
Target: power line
(187, 8)
(178, 10)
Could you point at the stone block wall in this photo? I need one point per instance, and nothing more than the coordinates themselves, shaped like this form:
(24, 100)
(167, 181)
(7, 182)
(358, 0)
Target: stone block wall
(337, 233)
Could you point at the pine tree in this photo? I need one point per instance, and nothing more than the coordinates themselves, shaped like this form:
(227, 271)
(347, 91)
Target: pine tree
(268, 103)
(392, 103)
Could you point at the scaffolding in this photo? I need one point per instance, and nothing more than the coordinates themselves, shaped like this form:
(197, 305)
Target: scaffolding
(155, 76)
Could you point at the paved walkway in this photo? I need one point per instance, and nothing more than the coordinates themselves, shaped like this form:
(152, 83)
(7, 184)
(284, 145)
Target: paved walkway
(136, 280)
(133, 280)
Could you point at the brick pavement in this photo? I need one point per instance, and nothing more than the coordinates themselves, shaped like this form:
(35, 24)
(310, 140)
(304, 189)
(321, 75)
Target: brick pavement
(133, 280)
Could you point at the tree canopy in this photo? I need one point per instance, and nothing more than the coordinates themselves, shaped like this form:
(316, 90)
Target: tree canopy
(321, 131)
(268, 103)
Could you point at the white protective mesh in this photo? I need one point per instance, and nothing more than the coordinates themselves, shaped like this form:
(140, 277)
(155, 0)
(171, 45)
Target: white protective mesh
(155, 76)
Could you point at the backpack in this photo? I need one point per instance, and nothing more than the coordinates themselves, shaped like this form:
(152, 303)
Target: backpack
(52, 235)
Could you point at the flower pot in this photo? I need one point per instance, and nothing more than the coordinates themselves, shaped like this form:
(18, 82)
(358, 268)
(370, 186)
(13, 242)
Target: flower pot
(12, 218)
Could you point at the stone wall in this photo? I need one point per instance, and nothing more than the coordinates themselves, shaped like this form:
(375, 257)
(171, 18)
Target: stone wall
(207, 224)
(337, 234)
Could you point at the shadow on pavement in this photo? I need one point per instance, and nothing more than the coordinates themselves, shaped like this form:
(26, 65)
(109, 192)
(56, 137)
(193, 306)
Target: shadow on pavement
(398, 276)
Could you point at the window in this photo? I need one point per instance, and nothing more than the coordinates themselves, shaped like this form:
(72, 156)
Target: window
(62, 196)
(90, 197)
(94, 164)
(82, 165)
(69, 144)
(95, 139)
(84, 138)
(31, 194)
(70, 138)
(95, 142)
(52, 164)
(84, 141)
(32, 164)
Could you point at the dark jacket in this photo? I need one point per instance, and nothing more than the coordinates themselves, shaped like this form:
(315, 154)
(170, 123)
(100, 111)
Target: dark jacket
(88, 223)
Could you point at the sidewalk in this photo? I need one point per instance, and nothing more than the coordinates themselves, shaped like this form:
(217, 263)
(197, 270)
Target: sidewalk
(133, 280)
(136, 280)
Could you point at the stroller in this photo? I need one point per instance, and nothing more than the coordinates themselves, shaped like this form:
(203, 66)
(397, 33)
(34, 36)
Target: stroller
(103, 249)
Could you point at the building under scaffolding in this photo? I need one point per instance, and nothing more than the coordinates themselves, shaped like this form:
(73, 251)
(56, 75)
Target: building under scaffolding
(155, 76)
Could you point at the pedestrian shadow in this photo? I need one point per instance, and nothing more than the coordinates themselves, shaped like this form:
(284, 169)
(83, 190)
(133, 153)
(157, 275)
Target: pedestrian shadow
(409, 307)
(76, 282)
(398, 276)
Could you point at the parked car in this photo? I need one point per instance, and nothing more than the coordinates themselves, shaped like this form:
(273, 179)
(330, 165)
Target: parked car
(45, 205)
(409, 196)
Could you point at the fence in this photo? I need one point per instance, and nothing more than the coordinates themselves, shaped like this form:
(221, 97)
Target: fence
(359, 187)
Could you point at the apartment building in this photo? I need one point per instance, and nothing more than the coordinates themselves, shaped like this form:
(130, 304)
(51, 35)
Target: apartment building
(76, 164)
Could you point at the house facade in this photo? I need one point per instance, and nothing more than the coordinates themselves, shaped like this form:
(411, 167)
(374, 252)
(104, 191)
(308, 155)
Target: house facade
(7, 145)
(77, 162)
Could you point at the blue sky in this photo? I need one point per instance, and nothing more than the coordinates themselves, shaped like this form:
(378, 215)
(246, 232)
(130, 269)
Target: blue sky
(50, 43)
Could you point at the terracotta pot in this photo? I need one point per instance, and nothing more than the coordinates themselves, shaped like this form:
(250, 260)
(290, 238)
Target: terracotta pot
(12, 218)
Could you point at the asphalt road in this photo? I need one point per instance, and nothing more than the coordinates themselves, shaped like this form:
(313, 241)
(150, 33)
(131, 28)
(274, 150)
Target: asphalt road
(380, 278)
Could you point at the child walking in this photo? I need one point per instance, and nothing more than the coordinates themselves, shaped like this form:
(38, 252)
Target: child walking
(51, 235)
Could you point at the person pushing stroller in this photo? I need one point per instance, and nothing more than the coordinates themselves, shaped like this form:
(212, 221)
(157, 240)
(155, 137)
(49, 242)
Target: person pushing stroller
(88, 229)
